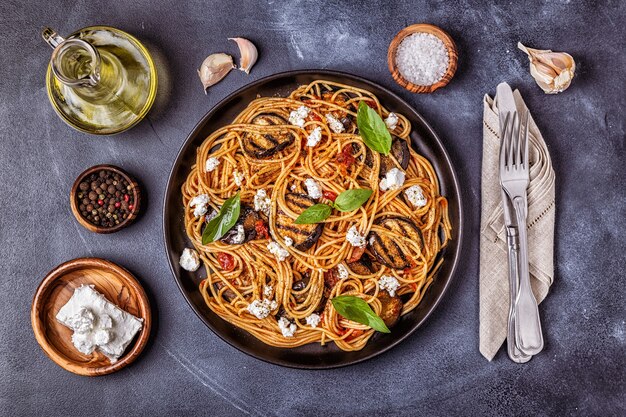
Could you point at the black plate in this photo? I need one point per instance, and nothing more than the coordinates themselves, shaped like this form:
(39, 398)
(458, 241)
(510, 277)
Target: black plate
(312, 356)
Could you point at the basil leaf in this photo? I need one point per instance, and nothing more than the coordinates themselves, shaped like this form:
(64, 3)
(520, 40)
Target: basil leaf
(314, 214)
(355, 309)
(352, 199)
(223, 222)
(373, 129)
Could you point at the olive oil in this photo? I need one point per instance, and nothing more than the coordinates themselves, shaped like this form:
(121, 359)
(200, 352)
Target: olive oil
(119, 81)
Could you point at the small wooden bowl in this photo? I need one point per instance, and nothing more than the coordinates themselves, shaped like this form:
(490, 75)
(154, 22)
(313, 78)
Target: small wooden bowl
(118, 286)
(422, 28)
(100, 229)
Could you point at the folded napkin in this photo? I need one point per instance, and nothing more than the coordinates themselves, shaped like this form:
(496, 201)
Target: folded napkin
(494, 280)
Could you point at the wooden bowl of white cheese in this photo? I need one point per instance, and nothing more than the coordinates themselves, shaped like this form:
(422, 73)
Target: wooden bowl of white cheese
(91, 316)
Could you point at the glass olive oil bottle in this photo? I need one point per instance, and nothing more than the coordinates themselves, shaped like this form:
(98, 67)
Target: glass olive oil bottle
(100, 80)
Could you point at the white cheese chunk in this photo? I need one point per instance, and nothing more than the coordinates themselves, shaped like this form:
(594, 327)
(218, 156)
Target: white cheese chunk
(415, 195)
(314, 137)
(313, 320)
(342, 271)
(261, 309)
(189, 260)
(297, 117)
(199, 204)
(288, 241)
(98, 324)
(81, 322)
(334, 123)
(102, 337)
(391, 121)
(262, 202)
(286, 327)
(355, 238)
(211, 164)
(389, 283)
(267, 291)
(237, 177)
(240, 236)
(394, 178)
(313, 188)
(278, 251)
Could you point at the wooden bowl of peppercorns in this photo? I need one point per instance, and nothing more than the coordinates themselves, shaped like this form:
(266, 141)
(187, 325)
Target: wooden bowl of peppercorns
(105, 199)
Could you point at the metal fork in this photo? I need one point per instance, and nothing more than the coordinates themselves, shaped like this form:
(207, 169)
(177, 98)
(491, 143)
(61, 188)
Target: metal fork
(514, 178)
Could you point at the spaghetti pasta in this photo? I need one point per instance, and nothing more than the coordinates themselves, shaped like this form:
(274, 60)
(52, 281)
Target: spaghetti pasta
(285, 303)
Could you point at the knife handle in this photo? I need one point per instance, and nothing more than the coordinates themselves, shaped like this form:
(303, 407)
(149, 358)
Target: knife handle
(528, 337)
(514, 353)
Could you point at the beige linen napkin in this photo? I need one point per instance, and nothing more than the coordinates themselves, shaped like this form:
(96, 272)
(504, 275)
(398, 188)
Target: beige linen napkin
(494, 281)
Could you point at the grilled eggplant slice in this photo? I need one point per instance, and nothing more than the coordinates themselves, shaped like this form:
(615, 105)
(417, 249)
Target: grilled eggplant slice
(363, 266)
(399, 150)
(386, 249)
(265, 145)
(301, 284)
(391, 308)
(304, 235)
(247, 218)
(228, 295)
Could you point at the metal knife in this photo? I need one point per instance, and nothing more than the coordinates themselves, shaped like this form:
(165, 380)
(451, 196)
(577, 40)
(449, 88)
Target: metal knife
(506, 103)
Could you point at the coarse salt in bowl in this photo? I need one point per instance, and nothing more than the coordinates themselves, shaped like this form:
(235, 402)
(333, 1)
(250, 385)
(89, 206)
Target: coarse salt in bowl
(422, 58)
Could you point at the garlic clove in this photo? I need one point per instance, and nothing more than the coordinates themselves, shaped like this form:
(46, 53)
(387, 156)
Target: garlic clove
(249, 54)
(553, 71)
(214, 68)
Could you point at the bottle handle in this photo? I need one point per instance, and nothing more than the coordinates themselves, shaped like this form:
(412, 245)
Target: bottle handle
(61, 46)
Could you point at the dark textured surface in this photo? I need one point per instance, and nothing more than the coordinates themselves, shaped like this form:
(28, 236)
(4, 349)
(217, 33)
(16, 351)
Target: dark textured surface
(438, 371)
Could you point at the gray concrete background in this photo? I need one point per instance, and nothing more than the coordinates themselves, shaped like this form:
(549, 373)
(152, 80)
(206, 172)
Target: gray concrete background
(438, 371)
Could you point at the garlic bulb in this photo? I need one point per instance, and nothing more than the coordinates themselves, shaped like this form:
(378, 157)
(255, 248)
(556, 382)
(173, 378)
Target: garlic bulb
(249, 54)
(553, 71)
(214, 68)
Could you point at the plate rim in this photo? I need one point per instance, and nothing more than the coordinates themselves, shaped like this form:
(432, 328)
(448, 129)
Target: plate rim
(130, 355)
(293, 73)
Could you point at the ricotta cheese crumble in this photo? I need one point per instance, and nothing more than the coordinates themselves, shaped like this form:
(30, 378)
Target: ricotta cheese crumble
(342, 271)
(355, 238)
(415, 195)
(334, 123)
(313, 320)
(314, 137)
(297, 117)
(389, 283)
(262, 202)
(261, 309)
(391, 121)
(394, 178)
(286, 327)
(189, 260)
(211, 164)
(278, 251)
(237, 177)
(240, 236)
(313, 188)
(200, 204)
